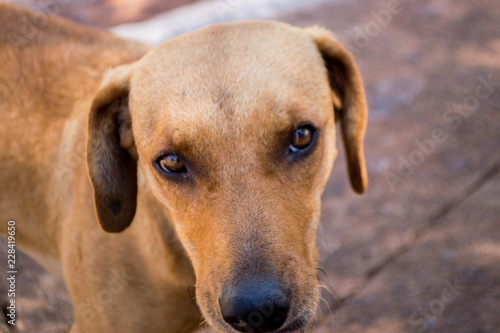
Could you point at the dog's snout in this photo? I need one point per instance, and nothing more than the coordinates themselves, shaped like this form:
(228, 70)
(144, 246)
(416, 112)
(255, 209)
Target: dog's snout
(255, 306)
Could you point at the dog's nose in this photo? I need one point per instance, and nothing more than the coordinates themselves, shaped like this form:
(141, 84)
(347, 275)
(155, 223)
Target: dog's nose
(255, 305)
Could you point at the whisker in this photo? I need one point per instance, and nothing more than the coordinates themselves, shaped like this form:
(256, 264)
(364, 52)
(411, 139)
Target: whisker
(328, 307)
(324, 320)
(332, 293)
(320, 269)
(324, 285)
(192, 299)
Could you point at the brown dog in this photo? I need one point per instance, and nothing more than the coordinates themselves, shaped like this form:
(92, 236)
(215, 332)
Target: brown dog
(207, 159)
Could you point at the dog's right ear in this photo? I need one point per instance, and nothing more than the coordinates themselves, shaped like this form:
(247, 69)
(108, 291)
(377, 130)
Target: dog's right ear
(111, 154)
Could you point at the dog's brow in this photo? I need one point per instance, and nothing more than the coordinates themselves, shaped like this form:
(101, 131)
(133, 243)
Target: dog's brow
(242, 75)
(181, 142)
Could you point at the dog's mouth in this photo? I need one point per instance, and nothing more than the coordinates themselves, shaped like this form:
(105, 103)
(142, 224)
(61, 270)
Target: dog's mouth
(291, 331)
(297, 326)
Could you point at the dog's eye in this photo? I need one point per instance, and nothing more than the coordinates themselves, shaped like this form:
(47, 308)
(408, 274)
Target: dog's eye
(301, 139)
(170, 164)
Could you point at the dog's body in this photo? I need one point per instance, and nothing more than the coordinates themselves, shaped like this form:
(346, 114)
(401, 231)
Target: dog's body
(236, 212)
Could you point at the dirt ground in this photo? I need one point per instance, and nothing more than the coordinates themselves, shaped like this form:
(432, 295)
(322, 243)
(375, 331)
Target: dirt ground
(420, 251)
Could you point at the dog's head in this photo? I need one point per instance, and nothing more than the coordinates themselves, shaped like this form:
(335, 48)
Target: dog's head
(233, 128)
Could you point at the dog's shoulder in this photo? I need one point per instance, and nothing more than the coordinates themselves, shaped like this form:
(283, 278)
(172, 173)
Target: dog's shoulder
(54, 60)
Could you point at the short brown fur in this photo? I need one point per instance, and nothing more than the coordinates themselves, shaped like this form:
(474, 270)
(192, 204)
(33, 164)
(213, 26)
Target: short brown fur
(77, 150)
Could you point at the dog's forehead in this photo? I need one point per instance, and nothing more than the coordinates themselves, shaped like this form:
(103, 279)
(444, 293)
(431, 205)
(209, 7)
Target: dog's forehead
(228, 75)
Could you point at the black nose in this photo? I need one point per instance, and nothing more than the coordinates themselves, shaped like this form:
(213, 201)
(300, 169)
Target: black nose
(255, 305)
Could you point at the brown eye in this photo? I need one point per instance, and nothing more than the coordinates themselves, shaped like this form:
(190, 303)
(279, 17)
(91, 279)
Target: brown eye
(301, 139)
(170, 164)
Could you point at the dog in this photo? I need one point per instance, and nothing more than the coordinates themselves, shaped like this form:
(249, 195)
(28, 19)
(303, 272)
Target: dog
(202, 160)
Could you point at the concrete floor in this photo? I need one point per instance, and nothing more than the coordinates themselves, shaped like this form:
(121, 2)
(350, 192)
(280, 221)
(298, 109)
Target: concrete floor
(420, 251)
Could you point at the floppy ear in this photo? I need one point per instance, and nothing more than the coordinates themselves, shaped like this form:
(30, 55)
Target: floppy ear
(349, 102)
(111, 157)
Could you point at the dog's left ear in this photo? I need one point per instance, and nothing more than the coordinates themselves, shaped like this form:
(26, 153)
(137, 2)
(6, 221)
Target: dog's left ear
(111, 152)
(349, 102)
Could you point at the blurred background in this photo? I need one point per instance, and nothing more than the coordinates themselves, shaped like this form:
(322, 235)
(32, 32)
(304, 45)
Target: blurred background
(420, 251)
